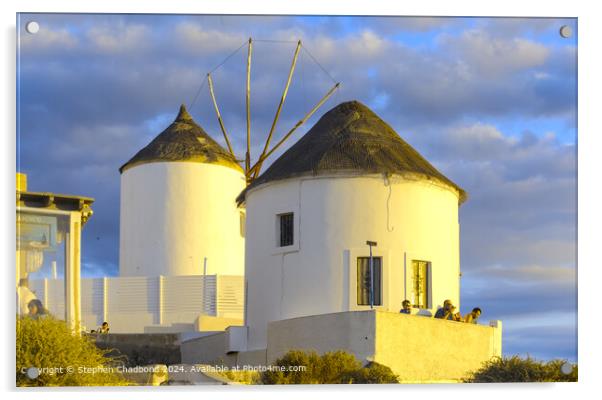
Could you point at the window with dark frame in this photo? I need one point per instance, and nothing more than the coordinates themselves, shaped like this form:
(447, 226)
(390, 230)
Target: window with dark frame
(420, 283)
(363, 281)
(286, 223)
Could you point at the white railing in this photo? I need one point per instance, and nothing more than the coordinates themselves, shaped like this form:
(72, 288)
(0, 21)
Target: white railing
(132, 304)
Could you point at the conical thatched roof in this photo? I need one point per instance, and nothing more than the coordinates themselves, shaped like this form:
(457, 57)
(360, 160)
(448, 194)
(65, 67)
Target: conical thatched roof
(350, 138)
(183, 140)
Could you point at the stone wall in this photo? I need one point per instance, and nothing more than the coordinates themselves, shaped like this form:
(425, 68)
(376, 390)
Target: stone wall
(141, 349)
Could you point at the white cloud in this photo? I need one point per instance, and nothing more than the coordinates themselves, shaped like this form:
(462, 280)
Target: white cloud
(192, 38)
(48, 39)
(121, 39)
(529, 273)
(491, 56)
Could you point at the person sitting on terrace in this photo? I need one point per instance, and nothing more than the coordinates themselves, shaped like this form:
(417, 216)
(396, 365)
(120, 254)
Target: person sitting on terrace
(452, 315)
(448, 312)
(36, 309)
(104, 328)
(441, 312)
(406, 307)
(473, 316)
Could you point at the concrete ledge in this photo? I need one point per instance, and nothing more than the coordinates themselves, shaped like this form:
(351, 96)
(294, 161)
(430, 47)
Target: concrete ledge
(209, 349)
(350, 331)
(418, 349)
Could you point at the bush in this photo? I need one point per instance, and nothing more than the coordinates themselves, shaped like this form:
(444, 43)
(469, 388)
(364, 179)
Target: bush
(294, 358)
(330, 368)
(49, 344)
(372, 373)
(516, 369)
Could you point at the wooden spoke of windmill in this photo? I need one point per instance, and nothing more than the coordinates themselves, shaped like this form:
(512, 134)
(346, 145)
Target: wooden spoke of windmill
(251, 172)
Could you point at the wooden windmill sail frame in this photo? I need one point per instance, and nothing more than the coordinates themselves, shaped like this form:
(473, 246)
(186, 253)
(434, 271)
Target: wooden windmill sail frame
(252, 171)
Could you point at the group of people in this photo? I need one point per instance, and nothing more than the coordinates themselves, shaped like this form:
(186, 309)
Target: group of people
(448, 312)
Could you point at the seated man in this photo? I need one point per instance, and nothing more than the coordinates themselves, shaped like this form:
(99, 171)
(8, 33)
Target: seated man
(448, 312)
(406, 307)
(441, 312)
(473, 316)
(452, 315)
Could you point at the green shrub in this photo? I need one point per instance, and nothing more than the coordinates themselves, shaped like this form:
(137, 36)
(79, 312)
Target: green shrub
(516, 369)
(309, 360)
(336, 366)
(330, 368)
(372, 373)
(48, 343)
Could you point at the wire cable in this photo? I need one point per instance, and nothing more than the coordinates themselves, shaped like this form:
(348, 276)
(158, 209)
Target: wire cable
(319, 65)
(274, 41)
(197, 94)
(212, 70)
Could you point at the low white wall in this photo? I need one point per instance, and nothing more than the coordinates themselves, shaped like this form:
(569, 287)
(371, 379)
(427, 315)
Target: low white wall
(349, 331)
(144, 304)
(209, 349)
(417, 348)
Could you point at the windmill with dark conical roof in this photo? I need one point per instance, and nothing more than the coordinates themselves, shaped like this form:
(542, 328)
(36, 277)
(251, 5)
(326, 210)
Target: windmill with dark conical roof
(178, 216)
(350, 179)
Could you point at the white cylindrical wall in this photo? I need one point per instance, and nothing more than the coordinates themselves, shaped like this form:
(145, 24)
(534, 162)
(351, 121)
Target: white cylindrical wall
(411, 219)
(174, 214)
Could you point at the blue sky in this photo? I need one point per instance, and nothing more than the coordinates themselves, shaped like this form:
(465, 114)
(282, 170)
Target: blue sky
(490, 101)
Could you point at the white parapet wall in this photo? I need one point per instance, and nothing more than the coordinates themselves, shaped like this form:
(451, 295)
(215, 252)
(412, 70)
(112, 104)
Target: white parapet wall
(151, 304)
(417, 348)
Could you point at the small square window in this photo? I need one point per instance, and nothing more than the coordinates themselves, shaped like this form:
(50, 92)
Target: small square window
(285, 224)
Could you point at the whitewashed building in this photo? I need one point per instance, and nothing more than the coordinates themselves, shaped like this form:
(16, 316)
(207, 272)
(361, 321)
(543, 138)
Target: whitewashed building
(349, 180)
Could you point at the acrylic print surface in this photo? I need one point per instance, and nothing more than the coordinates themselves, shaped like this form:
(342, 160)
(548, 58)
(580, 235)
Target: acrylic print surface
(295, 199)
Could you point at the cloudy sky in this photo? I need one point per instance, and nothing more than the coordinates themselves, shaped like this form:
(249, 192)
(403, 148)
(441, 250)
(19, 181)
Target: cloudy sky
(490, 102)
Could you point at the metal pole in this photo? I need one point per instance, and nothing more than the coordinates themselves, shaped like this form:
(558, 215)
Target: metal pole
(371, 279)
(371, 243)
